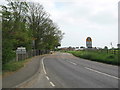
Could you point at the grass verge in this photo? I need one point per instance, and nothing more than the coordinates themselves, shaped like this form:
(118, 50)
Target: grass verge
(13, 66)
(97, 56)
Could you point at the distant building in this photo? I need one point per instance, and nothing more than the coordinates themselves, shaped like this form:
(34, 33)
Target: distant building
(68, 48)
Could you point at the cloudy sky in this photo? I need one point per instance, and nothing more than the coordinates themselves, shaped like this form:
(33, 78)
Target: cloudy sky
(79, 19)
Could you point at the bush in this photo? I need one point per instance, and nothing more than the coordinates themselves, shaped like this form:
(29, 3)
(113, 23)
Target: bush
(7, 52)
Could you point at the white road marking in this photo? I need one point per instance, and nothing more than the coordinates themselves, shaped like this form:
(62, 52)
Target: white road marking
(72, 62)
(47, 78)
(46, 72)
(52, 84)
(102, 73)
(43, 66)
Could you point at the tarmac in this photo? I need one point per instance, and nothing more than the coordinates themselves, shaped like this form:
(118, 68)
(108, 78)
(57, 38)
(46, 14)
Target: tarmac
(25, 73)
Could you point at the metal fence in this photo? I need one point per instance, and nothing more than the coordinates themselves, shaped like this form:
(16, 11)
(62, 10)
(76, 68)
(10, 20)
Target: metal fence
(30, 54)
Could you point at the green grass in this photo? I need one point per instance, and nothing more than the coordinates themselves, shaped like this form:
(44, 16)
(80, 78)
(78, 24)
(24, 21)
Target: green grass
(97, 56)
(12, 66)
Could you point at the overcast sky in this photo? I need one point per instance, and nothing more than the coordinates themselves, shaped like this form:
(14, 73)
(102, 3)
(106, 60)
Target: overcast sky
(80, 19)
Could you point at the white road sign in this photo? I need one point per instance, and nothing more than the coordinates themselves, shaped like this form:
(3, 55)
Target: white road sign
(21, 50)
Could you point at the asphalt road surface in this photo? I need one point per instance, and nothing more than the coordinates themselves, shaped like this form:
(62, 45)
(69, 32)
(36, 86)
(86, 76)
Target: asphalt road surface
(63, 70)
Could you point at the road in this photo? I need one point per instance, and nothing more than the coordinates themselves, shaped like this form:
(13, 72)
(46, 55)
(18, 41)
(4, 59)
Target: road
(23, 74)
(63, 70)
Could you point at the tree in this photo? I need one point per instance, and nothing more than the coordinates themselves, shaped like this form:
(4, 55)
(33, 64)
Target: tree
(14, 30)
(46, 32)
(23, 22)
(106, 48)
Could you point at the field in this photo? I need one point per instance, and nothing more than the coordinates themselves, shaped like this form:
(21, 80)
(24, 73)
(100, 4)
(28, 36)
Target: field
(104, 57)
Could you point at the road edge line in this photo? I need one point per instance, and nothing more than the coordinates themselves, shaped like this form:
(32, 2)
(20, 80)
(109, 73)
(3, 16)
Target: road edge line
(52, 84)
(32, 77)
(43, 65)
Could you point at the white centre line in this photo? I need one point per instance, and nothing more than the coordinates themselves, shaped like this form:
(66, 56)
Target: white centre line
(52, 84)
(72, 62)
(101, 73)
(43, 66)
